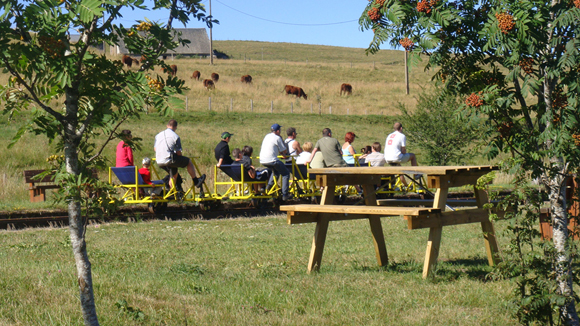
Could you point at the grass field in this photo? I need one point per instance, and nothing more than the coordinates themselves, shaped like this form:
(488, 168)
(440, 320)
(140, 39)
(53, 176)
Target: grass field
(250, 272)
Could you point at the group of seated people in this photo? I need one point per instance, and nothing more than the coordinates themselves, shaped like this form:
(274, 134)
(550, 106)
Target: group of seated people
(327, 152)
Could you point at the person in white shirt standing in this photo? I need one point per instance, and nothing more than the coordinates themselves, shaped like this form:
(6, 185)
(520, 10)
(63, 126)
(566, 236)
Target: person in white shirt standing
(272, 145)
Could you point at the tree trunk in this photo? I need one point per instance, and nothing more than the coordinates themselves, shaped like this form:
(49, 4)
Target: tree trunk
(557, 191)
(77, 237)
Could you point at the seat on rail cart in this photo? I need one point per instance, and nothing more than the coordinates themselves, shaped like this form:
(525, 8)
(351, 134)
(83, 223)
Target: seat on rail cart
(131, 180)
(240, 185)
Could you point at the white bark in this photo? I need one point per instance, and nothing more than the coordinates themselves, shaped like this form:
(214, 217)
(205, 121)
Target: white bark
(563, 263)
(77, 228)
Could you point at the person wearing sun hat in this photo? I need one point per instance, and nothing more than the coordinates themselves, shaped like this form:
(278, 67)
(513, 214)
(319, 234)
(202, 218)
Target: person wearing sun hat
(272, 145)
(222, 150)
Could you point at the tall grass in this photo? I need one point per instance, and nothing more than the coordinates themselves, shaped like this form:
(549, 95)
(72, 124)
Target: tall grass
(250, 272)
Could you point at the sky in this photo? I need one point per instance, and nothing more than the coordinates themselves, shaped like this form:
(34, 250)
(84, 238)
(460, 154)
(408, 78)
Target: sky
(320, 22)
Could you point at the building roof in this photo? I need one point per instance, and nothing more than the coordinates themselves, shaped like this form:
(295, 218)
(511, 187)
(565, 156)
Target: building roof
(197, 36)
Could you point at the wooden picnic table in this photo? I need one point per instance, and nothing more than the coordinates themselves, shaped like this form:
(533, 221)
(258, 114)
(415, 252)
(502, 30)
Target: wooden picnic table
(435, 218)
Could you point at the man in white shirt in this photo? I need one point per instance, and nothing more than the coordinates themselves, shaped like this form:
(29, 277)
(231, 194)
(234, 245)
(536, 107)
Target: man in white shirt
(272, 145)
(395, 147)
(168, 144)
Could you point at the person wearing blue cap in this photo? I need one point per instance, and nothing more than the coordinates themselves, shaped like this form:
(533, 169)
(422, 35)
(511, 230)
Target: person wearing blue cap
(222, 150)
(272, 145)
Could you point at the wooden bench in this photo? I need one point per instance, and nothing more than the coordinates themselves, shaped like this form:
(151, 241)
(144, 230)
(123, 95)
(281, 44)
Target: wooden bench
(37, 186)
(323, 214)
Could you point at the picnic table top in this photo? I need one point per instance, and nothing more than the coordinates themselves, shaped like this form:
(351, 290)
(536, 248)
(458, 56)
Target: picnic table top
(429, 170)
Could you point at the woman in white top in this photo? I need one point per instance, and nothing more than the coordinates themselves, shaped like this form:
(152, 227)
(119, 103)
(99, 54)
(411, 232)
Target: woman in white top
(347, 149)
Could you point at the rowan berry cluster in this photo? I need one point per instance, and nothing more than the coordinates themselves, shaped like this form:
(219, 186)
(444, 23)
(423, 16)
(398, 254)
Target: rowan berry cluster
(559, 99)
(527, 65)
(506, 22)
(154, 83)
(55, 159)
(556, 118)
(407, 44)
(144, 26)
(131, 33)
(374, 14)
(380, 3)
(577, 4)
(576, 139)
(52, 46)
(505, 128)
(426, 6)
(474, 100)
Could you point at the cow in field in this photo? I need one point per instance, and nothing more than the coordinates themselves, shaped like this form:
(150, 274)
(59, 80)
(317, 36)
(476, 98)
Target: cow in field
(215, 77)
(208, 83)
(346, 89)
(246, 79)
(299, 92)
(127, 60)
(196, 75)
(136, 62)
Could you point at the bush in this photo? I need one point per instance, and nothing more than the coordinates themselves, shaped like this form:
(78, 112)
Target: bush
(435, 127)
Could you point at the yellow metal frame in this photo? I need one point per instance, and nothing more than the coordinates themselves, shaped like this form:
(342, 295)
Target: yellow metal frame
(239, 190)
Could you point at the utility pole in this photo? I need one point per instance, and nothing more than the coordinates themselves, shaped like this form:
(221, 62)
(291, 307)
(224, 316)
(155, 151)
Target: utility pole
(406, 73)
(210, 39)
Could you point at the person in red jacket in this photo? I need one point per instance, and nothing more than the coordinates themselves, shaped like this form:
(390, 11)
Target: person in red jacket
(124, 152)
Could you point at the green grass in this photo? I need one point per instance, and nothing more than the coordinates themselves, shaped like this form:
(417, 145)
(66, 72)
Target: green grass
(250, 272)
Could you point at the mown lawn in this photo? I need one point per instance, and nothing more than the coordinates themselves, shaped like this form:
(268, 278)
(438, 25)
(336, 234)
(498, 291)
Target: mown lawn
(250, 272)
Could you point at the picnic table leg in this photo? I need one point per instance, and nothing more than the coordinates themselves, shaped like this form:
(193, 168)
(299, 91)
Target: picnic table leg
(376, 227)
(434, 240)
(318, 244)
(36, 195)
(488, 231)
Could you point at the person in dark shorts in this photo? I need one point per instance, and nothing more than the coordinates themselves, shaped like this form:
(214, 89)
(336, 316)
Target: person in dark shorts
(168, 146)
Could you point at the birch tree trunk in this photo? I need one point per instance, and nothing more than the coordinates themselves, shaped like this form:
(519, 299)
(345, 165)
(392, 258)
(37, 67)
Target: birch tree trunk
(563, 268)
(75, 218)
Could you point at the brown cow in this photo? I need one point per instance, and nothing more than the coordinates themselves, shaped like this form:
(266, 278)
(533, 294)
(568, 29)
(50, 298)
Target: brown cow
(208, 83)
(136, 62)
(346, 89)
(196, 75)
(246, 79)
(215, 77)
(127, 60)
(299, 92)
(172, 70)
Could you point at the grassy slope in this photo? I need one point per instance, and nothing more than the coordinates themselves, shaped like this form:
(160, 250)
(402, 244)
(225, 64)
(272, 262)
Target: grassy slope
(250, 272)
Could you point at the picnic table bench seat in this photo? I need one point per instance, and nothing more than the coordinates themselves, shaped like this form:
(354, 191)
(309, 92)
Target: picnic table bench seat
(311, 213)
(37, 186)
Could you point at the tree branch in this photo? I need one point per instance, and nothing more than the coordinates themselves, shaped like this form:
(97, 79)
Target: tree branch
(111, 137)
(523, 103)
(12, 71)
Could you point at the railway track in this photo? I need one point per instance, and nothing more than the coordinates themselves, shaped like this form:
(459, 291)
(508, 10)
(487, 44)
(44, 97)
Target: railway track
(59, 218)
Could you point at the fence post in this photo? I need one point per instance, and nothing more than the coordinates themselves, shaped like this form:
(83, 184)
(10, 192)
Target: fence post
(373, 65)
(232, 104)
(210, 103)
(330, 109)
(319, 108)
(244, 58)
(186, 104)
(366, 112)
(311, 108)
(351, 64)
(262, 54)
(271, 106)
(251, 105)
(291, 107)
(347, 111)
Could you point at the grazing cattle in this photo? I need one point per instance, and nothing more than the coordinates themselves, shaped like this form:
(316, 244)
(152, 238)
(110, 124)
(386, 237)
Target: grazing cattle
(246, 79)
(136, 62)
(196, 75)
(215, 77)
(127, 60)
(299, 92)
(208, 83)
(346, 89)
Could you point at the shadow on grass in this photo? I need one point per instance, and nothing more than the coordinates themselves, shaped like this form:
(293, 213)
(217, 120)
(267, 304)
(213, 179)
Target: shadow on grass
(444, 271)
